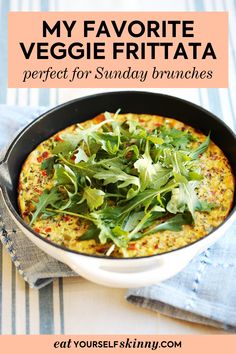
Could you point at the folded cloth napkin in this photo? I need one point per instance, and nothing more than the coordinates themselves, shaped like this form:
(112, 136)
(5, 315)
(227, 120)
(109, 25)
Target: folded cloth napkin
(204, 292)
(36, 267)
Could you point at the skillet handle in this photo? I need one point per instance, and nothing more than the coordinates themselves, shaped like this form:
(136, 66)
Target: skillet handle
(126, 277)
(4, 175)
(1, 173)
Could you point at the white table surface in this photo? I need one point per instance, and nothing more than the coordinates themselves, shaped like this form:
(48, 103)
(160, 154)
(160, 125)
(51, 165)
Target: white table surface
(104, 310)
(88, 309)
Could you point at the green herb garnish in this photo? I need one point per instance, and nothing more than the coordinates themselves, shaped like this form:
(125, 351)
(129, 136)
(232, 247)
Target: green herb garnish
(126, 181)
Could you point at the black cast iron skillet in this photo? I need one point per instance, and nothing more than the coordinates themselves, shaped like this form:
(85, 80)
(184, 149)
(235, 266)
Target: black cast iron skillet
(85, 108)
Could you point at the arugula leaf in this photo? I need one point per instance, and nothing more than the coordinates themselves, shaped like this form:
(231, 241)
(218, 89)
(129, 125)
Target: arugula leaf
(84, 168)
(109, 215)
(114, 175)
(136, 130)
(192, 200)
(134, 234)
(133, 220)
(146, 196)
(48, 165)
(110, 116)
(180, 162)
(174, 223)
(161, 177)
(140, 225)
(71, 140)
(94, 197)
(64, 175)
(90, 234)
(106, 233)
(205, 206)
(195, 176)
(155, 215)
(84, 134)
(67, 182)
(133, 148)
(58, 211)
(108, 142)
(201, 148)
(156, 140)
(146, 169)
(176, 138)
(118, 231)
(45, 199)
(177, 202)
(80, 155)
(184, 198)
(69, 143)
(132, 124)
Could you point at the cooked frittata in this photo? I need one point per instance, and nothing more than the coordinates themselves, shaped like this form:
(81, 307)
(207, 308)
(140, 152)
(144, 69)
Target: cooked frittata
(126, 185)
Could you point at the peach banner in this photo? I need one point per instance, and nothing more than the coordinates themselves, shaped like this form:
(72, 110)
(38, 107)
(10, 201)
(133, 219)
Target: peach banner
(118, 49)
(181, 344)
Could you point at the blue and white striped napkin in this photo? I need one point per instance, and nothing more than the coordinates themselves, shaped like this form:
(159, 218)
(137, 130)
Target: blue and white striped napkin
(204, 292)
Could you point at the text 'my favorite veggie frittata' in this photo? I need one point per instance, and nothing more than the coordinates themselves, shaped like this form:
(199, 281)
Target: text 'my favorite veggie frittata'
(126, 185)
